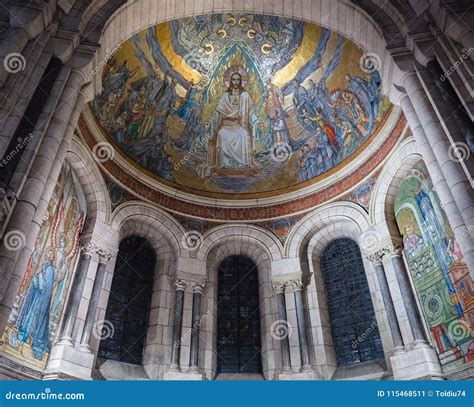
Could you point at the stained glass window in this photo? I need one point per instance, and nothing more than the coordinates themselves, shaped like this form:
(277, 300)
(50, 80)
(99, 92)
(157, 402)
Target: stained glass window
(353, 324)
(238, 328)
(128, 308)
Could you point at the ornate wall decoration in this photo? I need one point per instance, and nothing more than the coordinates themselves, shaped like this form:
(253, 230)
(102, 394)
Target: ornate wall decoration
(34, 321)
(239, 104)
(443, 285)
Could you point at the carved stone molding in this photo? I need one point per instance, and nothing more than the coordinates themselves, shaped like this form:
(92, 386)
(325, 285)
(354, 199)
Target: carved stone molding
(89, 249)
(278, 286)
(294, 285)
(393, 250)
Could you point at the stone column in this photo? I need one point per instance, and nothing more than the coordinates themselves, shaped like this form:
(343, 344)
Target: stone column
(376, 259)
(282, 328)
(31, 194)
(453, 173)
(77, 288)
(302, 334)
(458, 225)
(104, 258)
(196, 323)
(178, 323)
(409, 302)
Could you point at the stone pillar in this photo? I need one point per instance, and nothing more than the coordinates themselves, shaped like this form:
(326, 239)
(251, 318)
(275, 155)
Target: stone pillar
(178, 322)
(282, 328)
(104, 258)
(453, 173)
(196, 323)
(302, 334)
(456, 221)
(75, 295)
(409, 302)
(376, 259)
(23, 213)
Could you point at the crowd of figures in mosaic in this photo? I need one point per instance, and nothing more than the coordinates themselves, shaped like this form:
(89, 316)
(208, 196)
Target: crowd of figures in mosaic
(261, 104)
(441, 278)
(34, 321)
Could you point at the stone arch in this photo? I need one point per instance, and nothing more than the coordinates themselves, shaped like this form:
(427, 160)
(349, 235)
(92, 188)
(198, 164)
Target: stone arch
(92, 184)
(326, 215)
(341, 16)
(243, 235)
(257, 245)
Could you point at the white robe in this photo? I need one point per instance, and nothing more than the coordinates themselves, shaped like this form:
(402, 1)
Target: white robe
(234, 122)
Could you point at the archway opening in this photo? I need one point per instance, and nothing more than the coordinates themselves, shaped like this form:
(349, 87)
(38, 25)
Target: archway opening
(238, 326)
(128, 308)
(354, 328)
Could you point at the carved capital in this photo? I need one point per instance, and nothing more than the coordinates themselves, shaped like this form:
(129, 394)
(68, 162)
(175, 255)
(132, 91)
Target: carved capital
(181, 285)
(104, 255)
(393, 250)
(295, 284)
(88, 249)
(376, 257)
(198, 286)
(278, 287)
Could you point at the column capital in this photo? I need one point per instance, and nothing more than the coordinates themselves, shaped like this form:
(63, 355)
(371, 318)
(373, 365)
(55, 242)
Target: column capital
(393, 250)
(294, 284)
(376, 257)
(88, 249)
(104, 256)
(278, 287)
(198, 286)
(181, 285)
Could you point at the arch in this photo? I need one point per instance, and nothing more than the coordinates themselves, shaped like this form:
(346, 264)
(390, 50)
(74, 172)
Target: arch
(341, 16)
(148, 221)
(251, 242)
(326, 215)
(244, 236)
(321, 231)
(388, 183)
(92, 184)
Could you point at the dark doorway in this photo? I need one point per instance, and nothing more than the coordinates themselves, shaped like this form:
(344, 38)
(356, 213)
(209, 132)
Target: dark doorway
(128, 308)
(238, 326)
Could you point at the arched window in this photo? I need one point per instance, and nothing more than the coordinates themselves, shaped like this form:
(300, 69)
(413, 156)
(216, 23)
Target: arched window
(238, 326)
(128, 308)
(352, 317)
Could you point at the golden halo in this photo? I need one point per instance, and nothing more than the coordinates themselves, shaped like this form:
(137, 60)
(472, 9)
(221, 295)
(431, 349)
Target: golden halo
(235, 69)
